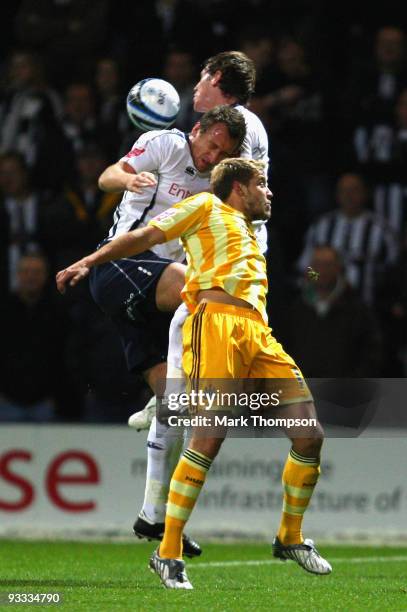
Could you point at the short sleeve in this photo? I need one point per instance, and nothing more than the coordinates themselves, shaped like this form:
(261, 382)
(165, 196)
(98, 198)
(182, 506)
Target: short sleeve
(255, 144)
(184, 217)
(147, 153)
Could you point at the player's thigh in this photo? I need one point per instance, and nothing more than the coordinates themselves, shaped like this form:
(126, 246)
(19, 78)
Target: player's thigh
(128, 284)
(168, 290)
(125, 290)
(277, 372)
(212, 346)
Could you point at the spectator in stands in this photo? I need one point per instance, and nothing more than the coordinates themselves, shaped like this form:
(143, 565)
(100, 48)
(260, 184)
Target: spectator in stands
(80, 123)
(367, 245)
(81, 212)
(30, 112)
(381, 152)
(301, 109)
(111, 107)
(373, 89)
(179, 69)
(298, 115)
(22, 209)
(33, 331)
(330, 331)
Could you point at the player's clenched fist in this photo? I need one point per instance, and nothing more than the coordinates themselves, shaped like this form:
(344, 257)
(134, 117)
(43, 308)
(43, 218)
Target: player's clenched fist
(72, 275)
(136, 182)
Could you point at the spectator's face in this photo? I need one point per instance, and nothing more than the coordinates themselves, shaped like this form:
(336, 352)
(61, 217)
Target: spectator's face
(32, 275)
(205, 92)
(291, 58)
(107, 76)
(401, 109)
(22, 70)
(351, 194)
(13, 177)
(210, 147)
(389, 46)
(179, 69)
(79, 102)
(325, 261)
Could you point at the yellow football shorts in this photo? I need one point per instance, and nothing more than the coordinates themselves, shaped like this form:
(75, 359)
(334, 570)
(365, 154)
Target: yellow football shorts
(223, 342)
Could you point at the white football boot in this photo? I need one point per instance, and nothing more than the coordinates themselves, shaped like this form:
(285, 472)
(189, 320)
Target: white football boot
(142, 420)
(305, 554)
(170, 571)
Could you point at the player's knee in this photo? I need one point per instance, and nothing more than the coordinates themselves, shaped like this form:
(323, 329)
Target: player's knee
(168, 291)
(308, 447)
(207, 446)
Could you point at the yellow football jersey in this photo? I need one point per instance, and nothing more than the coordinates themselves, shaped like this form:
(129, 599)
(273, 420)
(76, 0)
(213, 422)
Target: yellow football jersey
(221, 249)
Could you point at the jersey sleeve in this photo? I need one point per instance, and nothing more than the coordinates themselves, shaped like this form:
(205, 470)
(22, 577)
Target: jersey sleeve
(255, 144)
(182, 218)
(148, 152)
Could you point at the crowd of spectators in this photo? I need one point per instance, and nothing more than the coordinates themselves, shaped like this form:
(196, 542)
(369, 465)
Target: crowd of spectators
(332, 93)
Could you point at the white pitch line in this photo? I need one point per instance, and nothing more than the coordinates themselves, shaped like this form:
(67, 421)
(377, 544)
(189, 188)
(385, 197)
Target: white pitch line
(276, 561)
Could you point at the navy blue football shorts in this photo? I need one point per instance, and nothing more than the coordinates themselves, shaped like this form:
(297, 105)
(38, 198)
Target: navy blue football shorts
(125, 291)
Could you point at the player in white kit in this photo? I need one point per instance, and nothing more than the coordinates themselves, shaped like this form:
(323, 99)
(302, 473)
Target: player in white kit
(140, 293)
(227, 78)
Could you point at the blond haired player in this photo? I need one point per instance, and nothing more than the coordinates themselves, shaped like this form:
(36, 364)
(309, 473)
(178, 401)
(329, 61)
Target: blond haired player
(225, 290)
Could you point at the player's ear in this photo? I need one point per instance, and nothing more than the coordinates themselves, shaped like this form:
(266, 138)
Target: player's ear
(196, 128)
(215, 78)
(237, 187)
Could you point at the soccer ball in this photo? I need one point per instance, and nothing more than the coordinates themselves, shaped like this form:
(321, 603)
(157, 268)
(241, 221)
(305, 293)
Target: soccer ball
(153, 104)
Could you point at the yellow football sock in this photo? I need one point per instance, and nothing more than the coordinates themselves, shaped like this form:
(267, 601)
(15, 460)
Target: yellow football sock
(300, 476)
(186, 484)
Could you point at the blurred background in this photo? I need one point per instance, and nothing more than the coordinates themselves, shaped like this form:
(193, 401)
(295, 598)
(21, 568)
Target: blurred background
(332, 93)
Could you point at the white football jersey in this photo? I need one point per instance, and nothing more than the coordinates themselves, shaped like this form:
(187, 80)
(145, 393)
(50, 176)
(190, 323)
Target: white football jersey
(255, 146)
(256, 143)
(167, 154)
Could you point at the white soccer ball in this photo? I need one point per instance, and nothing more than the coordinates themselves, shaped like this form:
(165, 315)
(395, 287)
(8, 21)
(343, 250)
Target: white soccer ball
(153, 104)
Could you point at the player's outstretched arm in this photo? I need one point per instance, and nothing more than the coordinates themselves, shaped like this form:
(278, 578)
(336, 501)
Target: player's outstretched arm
(121, 177)
(126, 245)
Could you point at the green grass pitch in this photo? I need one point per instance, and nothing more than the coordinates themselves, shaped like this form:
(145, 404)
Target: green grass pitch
(101, 577)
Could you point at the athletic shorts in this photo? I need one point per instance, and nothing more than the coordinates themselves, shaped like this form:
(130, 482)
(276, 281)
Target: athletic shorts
(224, 342)
(125, 291)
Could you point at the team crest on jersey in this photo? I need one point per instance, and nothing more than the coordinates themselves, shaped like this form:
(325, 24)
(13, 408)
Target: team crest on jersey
(170, 212)
(135, 152)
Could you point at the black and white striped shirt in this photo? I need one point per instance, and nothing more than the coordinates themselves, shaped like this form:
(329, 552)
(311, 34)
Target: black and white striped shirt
(366, 244)
(390, 203)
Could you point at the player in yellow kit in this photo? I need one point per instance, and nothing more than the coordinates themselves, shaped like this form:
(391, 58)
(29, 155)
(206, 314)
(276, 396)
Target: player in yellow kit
(225, 290)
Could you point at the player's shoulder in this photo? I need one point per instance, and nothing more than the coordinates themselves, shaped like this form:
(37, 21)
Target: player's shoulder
(253, 122)
(202, 199)
(174, 139)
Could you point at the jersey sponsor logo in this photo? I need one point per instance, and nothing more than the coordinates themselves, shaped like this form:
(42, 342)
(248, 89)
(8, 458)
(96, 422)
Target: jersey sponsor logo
(179, 192)
(135, 152)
